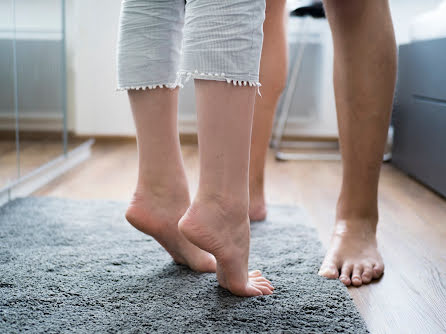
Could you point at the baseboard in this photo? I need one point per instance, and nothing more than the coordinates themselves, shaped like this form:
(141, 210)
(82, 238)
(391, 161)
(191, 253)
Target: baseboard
(192, 138)
(44, 121)
(187, 138)
(32, 134)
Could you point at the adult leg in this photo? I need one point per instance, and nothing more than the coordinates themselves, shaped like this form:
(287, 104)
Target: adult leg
(229, 49)
(273, 72)
(161, 196)
(364, 79)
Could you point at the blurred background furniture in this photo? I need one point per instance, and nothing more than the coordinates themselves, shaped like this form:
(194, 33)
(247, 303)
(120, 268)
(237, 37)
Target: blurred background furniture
(419, 117)
(314, 10)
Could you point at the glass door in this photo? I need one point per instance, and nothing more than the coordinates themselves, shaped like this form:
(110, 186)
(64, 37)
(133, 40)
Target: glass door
(33, 104)
(9, 148)
(40, 46)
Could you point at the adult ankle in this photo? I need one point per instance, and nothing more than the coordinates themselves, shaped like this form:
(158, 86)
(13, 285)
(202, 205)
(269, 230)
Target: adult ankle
(356, 207)
(356, 219)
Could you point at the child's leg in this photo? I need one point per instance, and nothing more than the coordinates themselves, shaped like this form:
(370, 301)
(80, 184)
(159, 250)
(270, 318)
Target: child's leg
(145, 60)
(218, 219)
(273, 72)
(224, 37)
(161, 196)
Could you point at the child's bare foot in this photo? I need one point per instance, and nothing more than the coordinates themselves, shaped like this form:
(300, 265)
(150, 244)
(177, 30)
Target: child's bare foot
(257, 210)
(224, 231)
(158, 216)
(353, 256)
(257, 206)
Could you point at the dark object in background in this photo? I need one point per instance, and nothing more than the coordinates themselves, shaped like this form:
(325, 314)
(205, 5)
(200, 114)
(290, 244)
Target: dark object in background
(315, 10)
(419, 117)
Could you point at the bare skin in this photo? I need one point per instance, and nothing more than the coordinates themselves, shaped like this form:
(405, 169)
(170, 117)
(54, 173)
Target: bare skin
(223, 233)
(217, 221)
(213, 223)
(162, 196)
(273, 72)
(364, 80)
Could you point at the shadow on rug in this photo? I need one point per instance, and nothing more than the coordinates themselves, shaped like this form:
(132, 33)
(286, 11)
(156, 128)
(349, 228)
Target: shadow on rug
(77, 266)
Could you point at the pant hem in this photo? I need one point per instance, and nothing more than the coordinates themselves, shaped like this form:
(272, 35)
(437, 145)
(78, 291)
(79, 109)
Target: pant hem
(184, 76)
(149, 86)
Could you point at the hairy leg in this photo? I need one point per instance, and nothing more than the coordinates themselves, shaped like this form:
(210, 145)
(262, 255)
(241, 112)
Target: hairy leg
(364, 79)
(217, 220)
(273, 72)
(162, 196)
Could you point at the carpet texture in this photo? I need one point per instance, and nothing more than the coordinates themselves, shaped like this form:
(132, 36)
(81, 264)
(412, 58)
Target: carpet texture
(77, 266)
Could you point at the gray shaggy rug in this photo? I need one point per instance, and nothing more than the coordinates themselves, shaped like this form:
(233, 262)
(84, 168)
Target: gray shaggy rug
(78, 267)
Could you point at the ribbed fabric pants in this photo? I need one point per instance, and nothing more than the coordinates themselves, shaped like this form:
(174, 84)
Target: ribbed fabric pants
(163, 43)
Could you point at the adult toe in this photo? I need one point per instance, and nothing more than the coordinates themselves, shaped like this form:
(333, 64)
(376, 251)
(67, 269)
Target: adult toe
(346, 273)
(378, 270)
(367, 274)
(356, 275)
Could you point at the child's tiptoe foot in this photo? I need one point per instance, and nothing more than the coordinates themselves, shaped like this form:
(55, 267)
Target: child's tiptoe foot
(225, 234)
(257, 206)
(158, 217)
(257, 211)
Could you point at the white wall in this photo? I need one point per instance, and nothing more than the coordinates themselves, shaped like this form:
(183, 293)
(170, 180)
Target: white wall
(34, 19)
(325, 122)
(404, 11)
(31, 20)
(95, 108)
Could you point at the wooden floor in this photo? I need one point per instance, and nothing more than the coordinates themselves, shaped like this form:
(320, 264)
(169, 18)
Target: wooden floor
(411, 296)
(33, 154)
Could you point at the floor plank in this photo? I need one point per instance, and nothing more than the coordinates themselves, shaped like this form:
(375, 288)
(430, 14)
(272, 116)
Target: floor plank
(33, 154)
(410, 298)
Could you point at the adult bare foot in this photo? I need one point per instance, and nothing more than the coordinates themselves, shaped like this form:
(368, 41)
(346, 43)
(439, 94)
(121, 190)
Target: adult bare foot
(157, 215)
(224, 231)
(353, 256)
